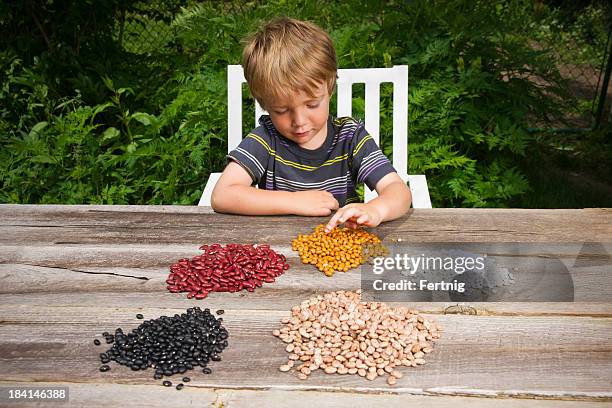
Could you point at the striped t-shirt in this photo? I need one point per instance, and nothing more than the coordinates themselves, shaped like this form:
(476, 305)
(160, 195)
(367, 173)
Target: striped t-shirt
(348, 156)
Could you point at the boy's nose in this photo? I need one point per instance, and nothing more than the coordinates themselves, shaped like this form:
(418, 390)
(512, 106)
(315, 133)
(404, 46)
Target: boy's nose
(298, 119)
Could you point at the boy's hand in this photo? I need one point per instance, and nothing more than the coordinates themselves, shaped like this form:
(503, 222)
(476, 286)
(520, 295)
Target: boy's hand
(353, 215)
(315, 203)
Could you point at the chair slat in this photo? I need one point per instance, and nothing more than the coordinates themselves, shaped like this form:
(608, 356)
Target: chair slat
(400, 119)
(372, 110)
(235, 78)
(345, 102)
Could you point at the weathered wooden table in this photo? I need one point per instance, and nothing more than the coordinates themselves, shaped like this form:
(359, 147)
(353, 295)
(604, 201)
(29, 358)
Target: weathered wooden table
(68, 273)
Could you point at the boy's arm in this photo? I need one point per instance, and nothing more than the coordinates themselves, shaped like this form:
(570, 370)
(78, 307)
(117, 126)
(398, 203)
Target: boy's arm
(234, 194)
(393, 201)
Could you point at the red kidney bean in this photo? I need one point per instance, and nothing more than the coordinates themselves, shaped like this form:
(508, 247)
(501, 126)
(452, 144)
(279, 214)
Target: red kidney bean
(229, 268)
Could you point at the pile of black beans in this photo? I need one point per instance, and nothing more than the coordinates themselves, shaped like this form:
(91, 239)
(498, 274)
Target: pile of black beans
(171, 345)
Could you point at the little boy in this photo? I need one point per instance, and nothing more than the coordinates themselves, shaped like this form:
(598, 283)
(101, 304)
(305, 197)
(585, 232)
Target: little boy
(304, 161)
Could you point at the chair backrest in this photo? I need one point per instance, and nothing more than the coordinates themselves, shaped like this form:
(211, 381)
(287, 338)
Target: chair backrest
(372, 77)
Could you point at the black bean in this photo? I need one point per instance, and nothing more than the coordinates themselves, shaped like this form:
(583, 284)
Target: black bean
(170, 344)
(167, 383)
(220, 311)
(180, 386)
(186, 379)
(207, 370)
(139, 316)
(97, 342)
(104, 368)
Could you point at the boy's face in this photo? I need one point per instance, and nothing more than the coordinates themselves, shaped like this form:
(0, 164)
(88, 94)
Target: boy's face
(301, 117)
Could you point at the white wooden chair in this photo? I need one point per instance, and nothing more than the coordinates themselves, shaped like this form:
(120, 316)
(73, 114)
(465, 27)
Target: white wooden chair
(372, 77)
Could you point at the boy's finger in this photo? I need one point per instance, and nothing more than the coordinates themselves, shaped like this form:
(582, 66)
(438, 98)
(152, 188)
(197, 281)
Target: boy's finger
(362, 219)
(332, 201)
(348, 214)
(339, 218)
(330, 226)
(332, 222)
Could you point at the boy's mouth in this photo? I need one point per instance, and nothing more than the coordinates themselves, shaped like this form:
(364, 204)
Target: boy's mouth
(301, 134)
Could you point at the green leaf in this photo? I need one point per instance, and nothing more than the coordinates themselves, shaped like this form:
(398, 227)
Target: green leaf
(100, 108)
(110, 133)
(37, 128)
(43, 158)
(125, 90)
(144, 118)
(108, 82)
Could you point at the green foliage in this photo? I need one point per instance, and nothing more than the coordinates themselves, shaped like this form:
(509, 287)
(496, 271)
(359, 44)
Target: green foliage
(577, 33)
(72, 158)
(472, 92)
(84, 121)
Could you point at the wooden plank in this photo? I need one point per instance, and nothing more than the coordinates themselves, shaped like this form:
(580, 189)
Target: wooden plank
(189, 224)
(152, 396)
(477, 355)
(47, 271)
(266, 299)
(144, 256)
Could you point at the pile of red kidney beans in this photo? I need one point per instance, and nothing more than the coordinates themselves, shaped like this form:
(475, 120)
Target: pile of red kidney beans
(229, 268)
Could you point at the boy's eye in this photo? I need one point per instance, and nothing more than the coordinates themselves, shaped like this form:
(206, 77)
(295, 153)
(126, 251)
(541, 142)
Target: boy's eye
(313, 106)
(280, 112)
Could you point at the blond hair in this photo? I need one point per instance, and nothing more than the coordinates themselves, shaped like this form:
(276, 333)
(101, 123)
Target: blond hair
(286, 56)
